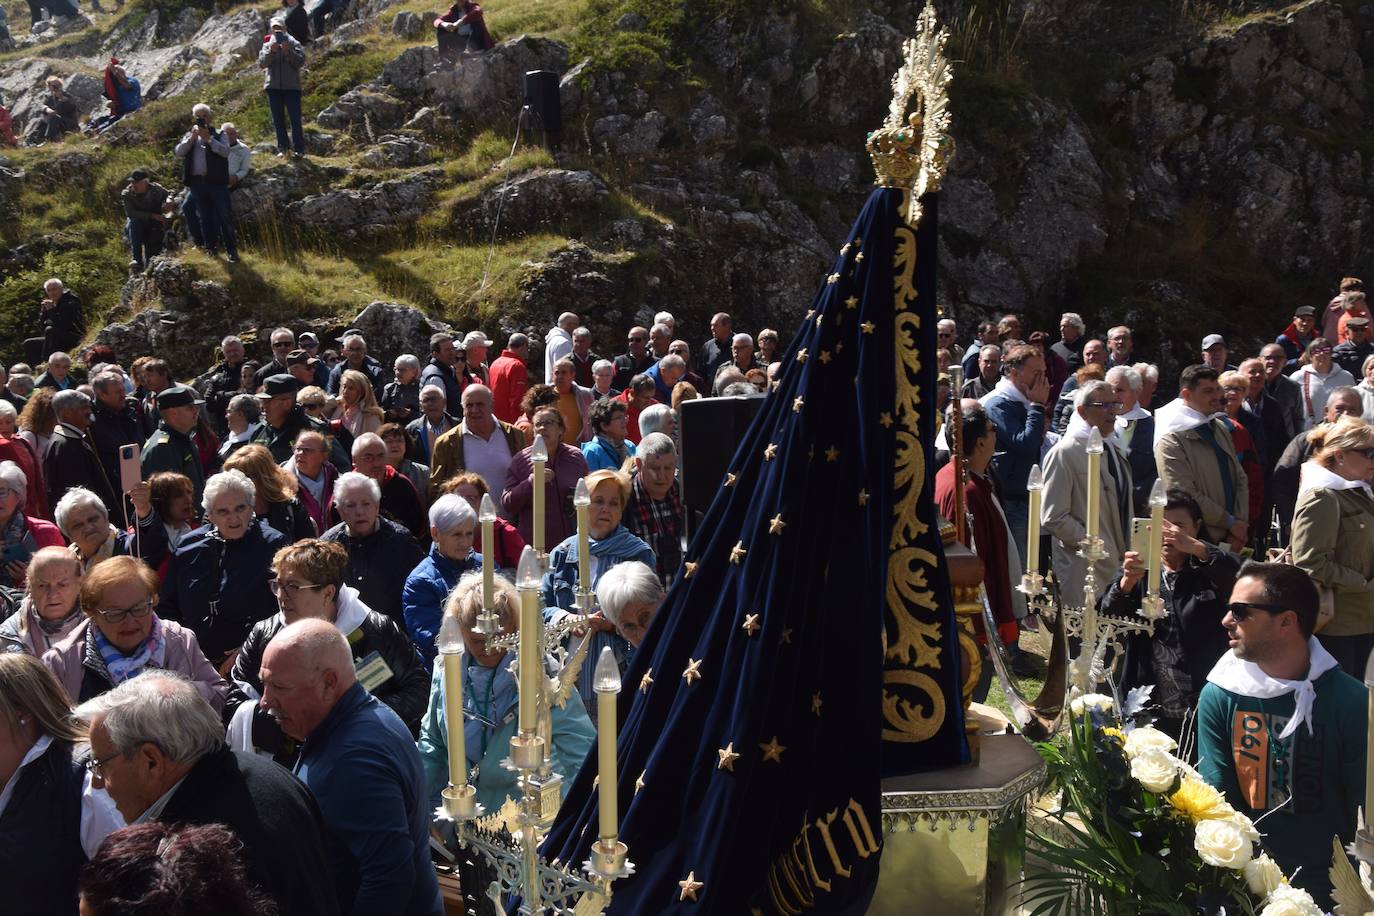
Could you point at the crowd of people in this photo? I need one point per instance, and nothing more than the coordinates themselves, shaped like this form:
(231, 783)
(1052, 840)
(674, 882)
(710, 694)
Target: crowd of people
(207, 587)
(1265, 462)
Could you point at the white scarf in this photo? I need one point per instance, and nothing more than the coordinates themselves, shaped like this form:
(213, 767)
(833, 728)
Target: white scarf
(233, 438)
(1246, 679)
(1135, 413)
(1176, 417)
(1007, 389)
(1315, 477)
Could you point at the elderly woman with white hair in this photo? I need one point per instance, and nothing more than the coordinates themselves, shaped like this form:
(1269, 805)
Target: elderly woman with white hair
(85, 520)
(219, 579)
(603, 377)
(1136, 426)
(629, 595)
(654, 511)
(21, 535)
(452, 528)
(381, 553)
(489, 699)
(658, 418)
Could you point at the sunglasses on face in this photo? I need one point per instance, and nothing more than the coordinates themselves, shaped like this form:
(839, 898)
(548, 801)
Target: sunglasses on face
(1241, 610)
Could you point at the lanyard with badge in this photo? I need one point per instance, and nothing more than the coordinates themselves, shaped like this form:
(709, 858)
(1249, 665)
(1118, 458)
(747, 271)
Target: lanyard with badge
(372, 669)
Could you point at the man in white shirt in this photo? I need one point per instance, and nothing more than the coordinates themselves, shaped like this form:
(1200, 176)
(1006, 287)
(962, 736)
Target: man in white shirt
(481, 444)
(559, 343)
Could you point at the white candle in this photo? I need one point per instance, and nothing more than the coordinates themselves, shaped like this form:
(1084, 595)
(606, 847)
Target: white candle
(539, 455)
(1035, 486)
(582, 500)
(606, 682)
(450, 644)
(1094, 480)
(527, 578)
(487, 516)
(1157, 500)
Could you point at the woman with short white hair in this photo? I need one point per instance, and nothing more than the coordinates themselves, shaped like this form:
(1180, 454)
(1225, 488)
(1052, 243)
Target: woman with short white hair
(381, 553)
(452, 529)
(219, 580)
(1136, 426)
(84, 519)
(629, 594)
(603, 373)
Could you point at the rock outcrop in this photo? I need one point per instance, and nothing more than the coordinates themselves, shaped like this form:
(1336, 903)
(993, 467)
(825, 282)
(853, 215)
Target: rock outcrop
(373, 212)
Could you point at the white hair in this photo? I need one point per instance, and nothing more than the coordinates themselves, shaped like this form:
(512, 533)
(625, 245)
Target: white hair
(1131, 377)
(352, 481)
(946, 324)
(665, 318)
(1091, 390)
(602, 364)
(12, 476)
(160, 708)
(661, 329)
(448, 512)
(653, 418)
(230, 339)
(366, 440)
(229, 125)
(742, 338)
(107, 378)
(200, 109)
(233, 481)
(57, 356)
(624, 584)
(437, 390)
(51, 282)
(1073, 319)
(655, 444)
(1148, 372)
(358, 337)
(408, 361)
(74, 499)
(7, 411)
(69, 400)
(672, 361)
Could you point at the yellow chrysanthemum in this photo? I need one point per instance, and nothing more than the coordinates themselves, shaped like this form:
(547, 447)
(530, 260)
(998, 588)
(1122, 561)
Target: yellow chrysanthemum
(1116, 733)
(1199, 801)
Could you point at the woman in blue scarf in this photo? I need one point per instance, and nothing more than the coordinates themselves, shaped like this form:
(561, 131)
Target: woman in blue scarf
(611, 543)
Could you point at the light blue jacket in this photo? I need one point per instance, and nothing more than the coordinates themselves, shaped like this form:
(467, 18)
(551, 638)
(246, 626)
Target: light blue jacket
(494, 690)
(601, 454)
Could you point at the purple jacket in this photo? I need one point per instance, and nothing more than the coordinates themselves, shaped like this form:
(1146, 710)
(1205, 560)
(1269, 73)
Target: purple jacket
(568, 467)
(77, 663)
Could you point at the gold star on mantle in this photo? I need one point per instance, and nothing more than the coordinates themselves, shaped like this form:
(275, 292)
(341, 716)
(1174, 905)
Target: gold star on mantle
(737, 552)
(863, 497)
(777, 524)
(772, 750)
(809, 313)
(639, 783)
(833, 278)
(852, 302)
(690, 885)
(885, 419)
(859, 258)
(801, 355)
(730, 479)
(797, 405)
(751, 624)
(825, 356)
(770, 452)
(868, 327)
(693, 670)
(689, 570)
(845, 249)
(727, 757)
(816, 703)
(832, 454)
(646, 680)
(819, 319)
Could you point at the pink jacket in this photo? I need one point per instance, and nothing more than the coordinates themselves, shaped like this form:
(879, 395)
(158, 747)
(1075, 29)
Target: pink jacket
(568, 467)
(68, 660)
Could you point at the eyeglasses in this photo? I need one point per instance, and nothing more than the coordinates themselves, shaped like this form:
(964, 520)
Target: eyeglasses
(1323, 350)
(1367, 452)
(117, 615)
(291, 588)
(1240, 610)
(97, 766)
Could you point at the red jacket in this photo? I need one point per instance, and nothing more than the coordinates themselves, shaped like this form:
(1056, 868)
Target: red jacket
(989, 533)
(21, 453)
(509, 380)
(509, 543)
(632, 414)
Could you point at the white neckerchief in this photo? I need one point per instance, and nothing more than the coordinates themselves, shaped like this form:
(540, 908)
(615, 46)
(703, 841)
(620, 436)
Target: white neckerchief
(1315, 477)
(1135, 413)
(234, 438)
(1176, 417)
(39, 747)
(349, 611)
(1006, 388)
(1246, 679)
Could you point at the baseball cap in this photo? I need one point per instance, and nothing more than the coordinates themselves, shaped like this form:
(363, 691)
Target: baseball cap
(138, 175)
(177, 396)
(297, 358)
(1359, 321)
(1304, 311)
(1213, 340)
(279, 384)
(308, 339)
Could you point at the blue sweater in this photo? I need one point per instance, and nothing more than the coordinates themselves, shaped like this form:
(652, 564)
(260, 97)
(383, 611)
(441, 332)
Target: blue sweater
(1020, 432)
(426, 590)
(601, 454)
(365, 772)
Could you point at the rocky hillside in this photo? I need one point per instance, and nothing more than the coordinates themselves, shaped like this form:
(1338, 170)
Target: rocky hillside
(1186, 165)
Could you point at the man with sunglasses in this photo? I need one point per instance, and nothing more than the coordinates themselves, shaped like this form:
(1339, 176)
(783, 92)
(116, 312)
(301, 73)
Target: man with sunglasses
(636, 359)
(283, 342)
(1281, 728)
(310, 583)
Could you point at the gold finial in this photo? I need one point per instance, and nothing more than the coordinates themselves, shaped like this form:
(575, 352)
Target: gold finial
(911, 151)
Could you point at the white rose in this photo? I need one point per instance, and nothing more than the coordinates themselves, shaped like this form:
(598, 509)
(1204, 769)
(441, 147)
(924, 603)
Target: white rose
(1286, 900)
(1244, 825)
(1087, 701)
(1263, 875)
(1147, 738)
(1221, 843)
(1155, 769)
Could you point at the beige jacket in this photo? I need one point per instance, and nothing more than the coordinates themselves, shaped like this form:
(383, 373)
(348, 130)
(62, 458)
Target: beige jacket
(1064, 513)
(1187, 462)
(1333, 540)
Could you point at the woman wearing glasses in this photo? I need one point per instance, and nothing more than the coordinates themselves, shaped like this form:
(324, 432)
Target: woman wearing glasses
(1333, 535)
(1317, 378)
(122, 636)
(217, 580)
(310, 583)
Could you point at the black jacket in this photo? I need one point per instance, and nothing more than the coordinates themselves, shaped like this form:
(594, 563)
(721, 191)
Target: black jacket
(220, 389)
(282, 442)
(72, 461)
(298, 23)
(371, 368)
(436, 373)
(292, 519)
(406, 691)
(379, 564)
(109, 430)
(216, 166)
(401, 402)
(63, 324)
(218, 589)
(1350, 356)
(626, 367)
(285, 849)
(40, 836)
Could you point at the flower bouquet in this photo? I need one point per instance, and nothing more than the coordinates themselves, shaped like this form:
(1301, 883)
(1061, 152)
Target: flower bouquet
(1138, 831)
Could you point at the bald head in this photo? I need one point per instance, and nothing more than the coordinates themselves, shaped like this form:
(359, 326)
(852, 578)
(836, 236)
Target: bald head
(307, 668)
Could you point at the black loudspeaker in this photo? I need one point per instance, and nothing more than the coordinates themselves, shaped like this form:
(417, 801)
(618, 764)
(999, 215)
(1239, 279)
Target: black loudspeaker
(541, 94)
(710, 430)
